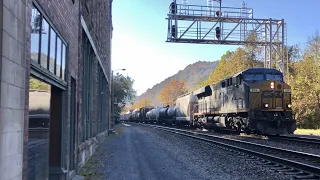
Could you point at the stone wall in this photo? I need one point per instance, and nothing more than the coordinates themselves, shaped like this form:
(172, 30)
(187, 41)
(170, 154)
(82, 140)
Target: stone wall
(16, 151)
(12, 77)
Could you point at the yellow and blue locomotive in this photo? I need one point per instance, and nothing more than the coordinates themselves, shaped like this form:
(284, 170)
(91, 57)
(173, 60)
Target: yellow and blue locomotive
(254, 100)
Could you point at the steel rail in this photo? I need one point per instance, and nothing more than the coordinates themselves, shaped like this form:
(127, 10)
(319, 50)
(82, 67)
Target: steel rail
(271, 154)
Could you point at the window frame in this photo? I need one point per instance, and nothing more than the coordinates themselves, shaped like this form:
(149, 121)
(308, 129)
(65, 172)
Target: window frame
(58, 35)
(39, 36)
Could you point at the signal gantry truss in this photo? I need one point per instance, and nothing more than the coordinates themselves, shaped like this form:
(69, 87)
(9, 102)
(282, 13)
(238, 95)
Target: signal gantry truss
(228, 26)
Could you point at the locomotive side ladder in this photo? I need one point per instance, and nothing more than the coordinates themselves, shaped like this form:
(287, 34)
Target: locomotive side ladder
(227, 26)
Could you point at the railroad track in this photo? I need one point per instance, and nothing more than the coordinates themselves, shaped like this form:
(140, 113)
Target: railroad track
(298, 164)
(307, 140)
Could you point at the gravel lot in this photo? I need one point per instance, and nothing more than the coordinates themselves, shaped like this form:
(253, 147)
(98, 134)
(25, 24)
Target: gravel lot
(142, 153)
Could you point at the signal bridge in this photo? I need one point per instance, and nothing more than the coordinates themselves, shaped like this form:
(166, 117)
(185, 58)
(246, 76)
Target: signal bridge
(228, 26)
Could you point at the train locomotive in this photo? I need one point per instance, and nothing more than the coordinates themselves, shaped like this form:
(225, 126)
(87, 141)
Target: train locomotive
(256, 100)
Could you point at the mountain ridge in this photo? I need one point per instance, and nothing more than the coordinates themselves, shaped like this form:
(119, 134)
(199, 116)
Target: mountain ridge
(192, 74)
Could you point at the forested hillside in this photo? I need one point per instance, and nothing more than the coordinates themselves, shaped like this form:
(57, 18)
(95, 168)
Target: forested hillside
(192, 75)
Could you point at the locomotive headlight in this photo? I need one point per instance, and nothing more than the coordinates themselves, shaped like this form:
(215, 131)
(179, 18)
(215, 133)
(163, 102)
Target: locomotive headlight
(266, 105)
(289, 105)
(272, 85)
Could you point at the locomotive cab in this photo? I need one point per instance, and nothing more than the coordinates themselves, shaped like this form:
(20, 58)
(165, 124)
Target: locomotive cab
(269, 100)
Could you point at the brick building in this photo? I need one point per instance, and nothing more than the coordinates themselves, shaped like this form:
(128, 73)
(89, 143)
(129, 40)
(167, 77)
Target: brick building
(55, 85)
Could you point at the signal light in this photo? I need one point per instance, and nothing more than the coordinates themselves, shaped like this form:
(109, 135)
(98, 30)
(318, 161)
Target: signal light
(218, 32)
(173, 31)
(173, 8)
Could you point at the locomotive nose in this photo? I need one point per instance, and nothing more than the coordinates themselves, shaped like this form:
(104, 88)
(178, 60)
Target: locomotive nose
(272, 95)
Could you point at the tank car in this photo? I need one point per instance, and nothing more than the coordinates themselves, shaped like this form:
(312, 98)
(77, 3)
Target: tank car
(167, 115)
(135, 115)
(126, 116)
(143, 113)
(254, 100)
(171, 114)
(148, 116)
(154, 115)
(184, 109)
(163, 115)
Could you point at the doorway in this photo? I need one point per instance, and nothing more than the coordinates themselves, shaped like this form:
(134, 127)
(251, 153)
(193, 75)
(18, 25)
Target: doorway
(45, 128)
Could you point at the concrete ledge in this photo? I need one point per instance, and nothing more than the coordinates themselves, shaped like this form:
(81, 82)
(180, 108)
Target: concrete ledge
(87, 148)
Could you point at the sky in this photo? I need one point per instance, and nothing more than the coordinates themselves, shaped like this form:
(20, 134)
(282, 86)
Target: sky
(140, 32)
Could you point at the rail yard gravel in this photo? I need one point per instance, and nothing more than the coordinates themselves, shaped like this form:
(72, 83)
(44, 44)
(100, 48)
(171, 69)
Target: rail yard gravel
(143, 153)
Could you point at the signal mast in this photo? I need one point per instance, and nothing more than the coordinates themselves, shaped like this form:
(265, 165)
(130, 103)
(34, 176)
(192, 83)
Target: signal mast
(215, 24)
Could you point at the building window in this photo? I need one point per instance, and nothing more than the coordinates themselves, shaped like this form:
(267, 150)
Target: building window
(58, 60)
(102, 123)
(53, 42)
(47, 47)
(44, 44)
(35, 35)
(63, 63)
(87, 88)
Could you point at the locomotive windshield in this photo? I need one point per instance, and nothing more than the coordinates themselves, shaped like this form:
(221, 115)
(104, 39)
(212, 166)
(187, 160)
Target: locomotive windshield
(253, 77)
(274, 77)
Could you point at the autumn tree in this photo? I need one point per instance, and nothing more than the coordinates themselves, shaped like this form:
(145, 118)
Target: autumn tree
(304, 81)
(141, 103)
(171, 91)
(231, 63)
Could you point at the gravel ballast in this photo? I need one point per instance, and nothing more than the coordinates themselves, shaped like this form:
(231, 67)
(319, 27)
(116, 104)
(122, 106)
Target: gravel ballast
(143, 153)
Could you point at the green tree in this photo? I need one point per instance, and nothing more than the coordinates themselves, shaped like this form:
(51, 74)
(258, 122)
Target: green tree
(123, 91)
(253, 51)
(36, 84)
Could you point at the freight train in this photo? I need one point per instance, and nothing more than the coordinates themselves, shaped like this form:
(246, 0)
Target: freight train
(256, 100)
